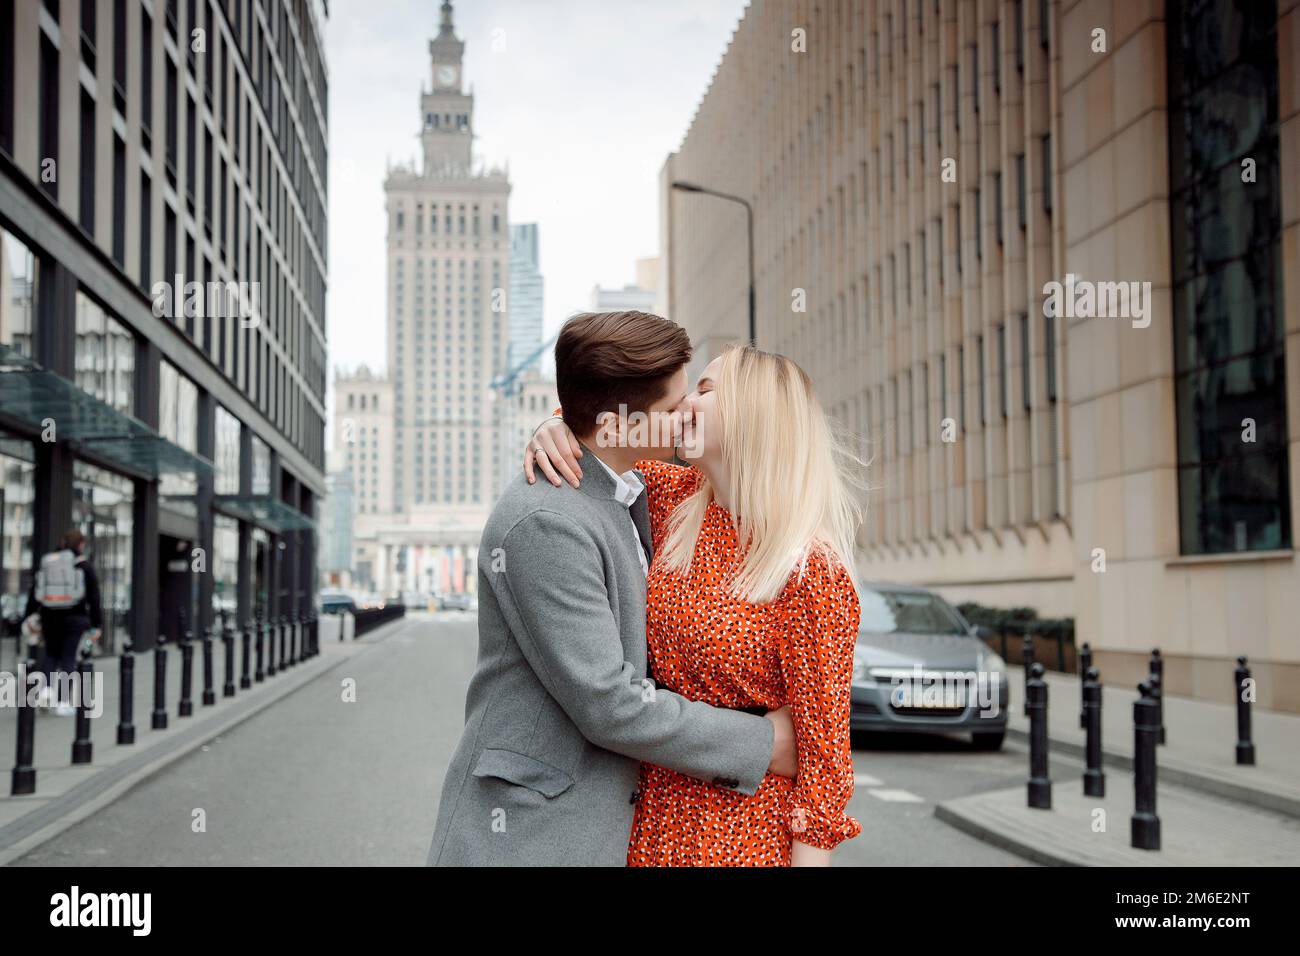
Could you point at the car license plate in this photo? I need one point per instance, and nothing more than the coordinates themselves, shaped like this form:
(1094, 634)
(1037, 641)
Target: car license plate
(942, 697)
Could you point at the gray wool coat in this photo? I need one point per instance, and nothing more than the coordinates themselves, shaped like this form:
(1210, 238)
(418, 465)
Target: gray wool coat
(559, 712)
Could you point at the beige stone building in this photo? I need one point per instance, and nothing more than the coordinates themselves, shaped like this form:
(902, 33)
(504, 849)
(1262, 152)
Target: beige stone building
(363, 449)
(921, 173)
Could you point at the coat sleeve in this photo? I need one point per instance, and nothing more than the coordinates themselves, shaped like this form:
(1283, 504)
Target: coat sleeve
(821, 627)
(554, 584)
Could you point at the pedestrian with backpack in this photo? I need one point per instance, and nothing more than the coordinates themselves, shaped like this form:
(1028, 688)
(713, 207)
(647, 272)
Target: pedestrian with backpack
(65, 594)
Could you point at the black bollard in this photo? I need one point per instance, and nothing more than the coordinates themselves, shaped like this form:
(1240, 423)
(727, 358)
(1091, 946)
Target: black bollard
(1158, 691)
(209, 691)
(228, 642)
(82, 749)
(270, 646)
(283, 629)
(245, 680)
(1094, 780)
(23, 780)
(159, 721)
(1245, 747)
(126, 696)
(259, 648)
(1145, 829)
(342, 620)
(293, 639)
(1027, 661)
(1040, 785)
(1085, 663)
(186, 706)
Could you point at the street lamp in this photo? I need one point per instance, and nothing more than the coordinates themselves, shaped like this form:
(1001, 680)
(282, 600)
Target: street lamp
(749, 221)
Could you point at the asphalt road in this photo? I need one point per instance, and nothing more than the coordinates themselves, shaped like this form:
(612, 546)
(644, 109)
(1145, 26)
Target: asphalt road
(321, 779)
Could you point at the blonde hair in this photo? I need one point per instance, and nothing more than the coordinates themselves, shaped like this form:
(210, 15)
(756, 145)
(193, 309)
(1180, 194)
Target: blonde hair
(788, 477)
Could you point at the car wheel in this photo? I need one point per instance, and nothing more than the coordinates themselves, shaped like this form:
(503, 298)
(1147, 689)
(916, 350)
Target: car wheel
(988, 741)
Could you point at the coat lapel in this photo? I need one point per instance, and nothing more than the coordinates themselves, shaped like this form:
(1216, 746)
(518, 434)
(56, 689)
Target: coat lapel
(641, 518)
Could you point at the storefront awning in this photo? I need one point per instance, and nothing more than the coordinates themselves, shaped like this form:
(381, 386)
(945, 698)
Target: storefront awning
(40, 398)
(265, 511)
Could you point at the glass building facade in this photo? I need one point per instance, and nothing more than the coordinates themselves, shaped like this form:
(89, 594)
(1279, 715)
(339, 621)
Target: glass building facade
(162, 335)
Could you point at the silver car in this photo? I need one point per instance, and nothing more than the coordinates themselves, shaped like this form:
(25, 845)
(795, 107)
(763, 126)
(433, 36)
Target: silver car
(920, 667)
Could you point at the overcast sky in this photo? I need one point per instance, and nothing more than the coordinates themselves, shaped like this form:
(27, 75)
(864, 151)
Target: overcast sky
(583, 104)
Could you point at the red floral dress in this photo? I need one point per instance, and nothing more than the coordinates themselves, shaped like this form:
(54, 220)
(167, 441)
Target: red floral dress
(707, 645)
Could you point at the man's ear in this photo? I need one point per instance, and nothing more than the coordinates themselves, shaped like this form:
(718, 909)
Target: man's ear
(609, 430)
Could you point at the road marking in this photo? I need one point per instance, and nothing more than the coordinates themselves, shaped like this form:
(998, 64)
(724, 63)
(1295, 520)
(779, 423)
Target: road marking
(866, 780)
(896, 796)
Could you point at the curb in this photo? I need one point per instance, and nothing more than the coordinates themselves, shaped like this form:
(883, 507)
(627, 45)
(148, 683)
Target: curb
(999, 838)
(1192, 779)
(47, 821)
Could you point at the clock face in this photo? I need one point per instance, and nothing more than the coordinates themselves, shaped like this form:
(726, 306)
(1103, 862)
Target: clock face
(446, 75)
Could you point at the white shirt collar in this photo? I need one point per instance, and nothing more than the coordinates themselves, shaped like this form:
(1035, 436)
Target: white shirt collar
(627, 486)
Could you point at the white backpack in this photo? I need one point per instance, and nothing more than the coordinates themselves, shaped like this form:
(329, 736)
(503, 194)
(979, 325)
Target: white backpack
(60, 582)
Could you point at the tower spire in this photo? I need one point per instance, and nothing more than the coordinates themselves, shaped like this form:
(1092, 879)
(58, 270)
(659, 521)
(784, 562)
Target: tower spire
(445, 28)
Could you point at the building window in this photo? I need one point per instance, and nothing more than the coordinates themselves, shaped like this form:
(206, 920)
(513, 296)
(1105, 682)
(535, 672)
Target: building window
(18, 270)
(226, 453)
(119, 201)
(1049, 355)
(1018, 19)
(119, 55)
(1046, 147)
(1003, 403)
(981, 378)
(261, 467)
(104, 356)
(48, 117)
(146, 231)
(1025, 364)
(18, 479)
(146, 76)
(86, 170)
(997, 56)
(1229, 365)
(7, 77)
(961, 386)
(1021, 211)
(997, 199)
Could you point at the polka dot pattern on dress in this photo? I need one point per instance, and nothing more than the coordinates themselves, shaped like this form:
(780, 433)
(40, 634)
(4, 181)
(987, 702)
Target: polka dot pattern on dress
(707, 645)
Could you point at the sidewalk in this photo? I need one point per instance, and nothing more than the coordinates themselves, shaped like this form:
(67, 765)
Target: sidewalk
(1212, 812)
(1200, 741)
(66, 793)
(1195, 829)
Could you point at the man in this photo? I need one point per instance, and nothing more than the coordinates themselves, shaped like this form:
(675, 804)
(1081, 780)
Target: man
(65, 593)
(559, 711)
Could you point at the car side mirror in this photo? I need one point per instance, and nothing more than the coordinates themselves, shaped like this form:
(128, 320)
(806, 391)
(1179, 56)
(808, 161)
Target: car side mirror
(982, 632)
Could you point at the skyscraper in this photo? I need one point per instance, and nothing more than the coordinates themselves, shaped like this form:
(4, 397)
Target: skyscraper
(448, 333)
(526, 288)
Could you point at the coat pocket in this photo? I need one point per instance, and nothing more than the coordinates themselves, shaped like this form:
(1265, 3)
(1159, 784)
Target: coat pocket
(522, 770)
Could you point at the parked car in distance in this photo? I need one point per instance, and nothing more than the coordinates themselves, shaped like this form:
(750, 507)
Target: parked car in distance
(336, 601)
(458, 602)
(920, 667)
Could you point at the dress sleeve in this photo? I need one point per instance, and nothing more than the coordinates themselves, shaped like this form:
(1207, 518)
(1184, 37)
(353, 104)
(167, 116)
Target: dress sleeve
(667, 485)
(821, 627)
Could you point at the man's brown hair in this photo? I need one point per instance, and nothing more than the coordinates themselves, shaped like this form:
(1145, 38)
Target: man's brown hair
(607, 359)
(73, 539)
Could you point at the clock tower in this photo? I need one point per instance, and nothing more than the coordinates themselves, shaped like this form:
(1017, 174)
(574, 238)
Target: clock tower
(447, 112)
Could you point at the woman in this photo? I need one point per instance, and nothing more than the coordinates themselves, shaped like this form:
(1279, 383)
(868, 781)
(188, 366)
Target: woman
(751, 604)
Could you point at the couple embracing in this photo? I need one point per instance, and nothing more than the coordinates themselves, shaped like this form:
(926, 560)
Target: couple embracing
(665, 651)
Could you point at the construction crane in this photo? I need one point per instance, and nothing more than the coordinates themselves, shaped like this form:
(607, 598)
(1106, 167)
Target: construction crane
(507, 383)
